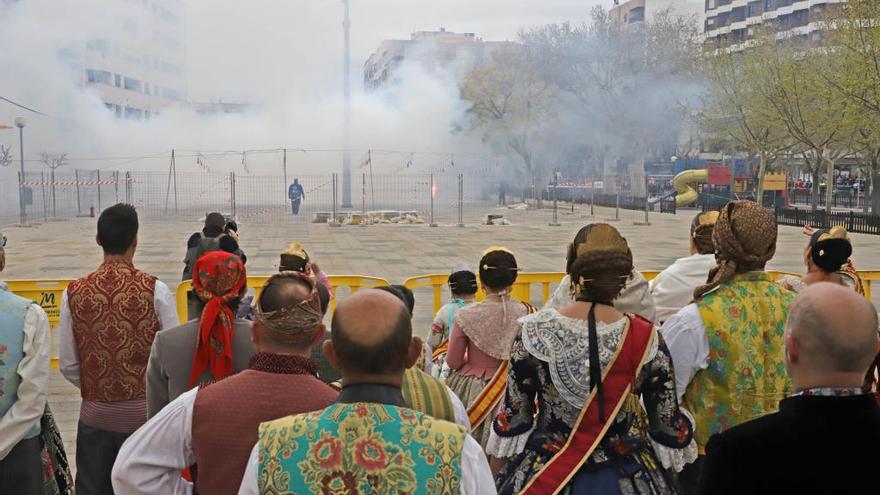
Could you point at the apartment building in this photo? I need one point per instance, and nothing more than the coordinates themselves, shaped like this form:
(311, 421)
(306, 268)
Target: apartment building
(731, 24)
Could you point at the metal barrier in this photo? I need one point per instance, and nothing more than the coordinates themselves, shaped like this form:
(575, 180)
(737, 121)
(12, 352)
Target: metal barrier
(354, 282)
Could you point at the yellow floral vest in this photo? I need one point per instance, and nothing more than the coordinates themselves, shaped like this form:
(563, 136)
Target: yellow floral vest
(746, 377)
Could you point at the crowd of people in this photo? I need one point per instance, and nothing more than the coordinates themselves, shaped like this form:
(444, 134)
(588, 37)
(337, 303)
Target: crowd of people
(713, 378)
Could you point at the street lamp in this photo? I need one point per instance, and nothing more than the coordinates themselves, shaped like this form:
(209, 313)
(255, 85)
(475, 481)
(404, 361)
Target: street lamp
(20, 123)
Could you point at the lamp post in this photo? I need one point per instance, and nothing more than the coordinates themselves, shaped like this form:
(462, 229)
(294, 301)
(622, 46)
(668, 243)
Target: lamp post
(20, 122)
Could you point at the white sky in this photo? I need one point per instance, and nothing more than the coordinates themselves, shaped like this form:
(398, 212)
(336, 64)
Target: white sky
(259, 48)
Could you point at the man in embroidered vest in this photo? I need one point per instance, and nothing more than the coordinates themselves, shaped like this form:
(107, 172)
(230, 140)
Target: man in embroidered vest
(215, 427)
(369, 441)
(821, 438)
(108, 321)
(24, 384)
(727, 346)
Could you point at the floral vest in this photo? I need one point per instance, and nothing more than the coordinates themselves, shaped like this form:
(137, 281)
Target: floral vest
(114, 324)
(361, 448)
(12, 314)
(746, 377)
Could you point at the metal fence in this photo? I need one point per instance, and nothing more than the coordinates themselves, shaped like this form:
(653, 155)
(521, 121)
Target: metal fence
(854, 222)
(841, 198)
(441, 198)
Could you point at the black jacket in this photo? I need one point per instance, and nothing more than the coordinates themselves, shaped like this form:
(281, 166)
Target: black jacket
(814, 444)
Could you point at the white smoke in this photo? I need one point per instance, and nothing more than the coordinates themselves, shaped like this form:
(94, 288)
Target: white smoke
(284, 57)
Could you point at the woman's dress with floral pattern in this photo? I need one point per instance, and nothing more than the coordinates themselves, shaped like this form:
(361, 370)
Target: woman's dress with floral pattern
(550, 370)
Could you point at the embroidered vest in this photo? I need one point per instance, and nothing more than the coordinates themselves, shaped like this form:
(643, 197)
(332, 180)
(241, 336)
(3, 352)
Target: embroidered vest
(114, 323)
(746, 378)
(363, 448)
(12, 313)
(226, 415)
(427, 394)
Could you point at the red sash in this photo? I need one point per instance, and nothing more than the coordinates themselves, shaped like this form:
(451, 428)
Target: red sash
(489, 396)
(617, 383)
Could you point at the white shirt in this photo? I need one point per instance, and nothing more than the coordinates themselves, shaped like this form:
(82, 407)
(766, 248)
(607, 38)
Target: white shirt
(476, 477)
(673, 288)
(635, 297)
(68, 355)
(685, 336)
(150, 460)
(34, 386)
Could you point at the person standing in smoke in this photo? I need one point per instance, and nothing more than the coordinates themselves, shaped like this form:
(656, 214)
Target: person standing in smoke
(296, 194)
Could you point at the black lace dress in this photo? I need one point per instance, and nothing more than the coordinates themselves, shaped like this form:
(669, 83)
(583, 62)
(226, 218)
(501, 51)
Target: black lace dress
(547, 387)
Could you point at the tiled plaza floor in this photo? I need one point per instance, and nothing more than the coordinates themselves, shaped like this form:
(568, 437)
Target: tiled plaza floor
(66, 249)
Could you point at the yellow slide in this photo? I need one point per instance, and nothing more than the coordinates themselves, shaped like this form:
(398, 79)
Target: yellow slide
(682, 182)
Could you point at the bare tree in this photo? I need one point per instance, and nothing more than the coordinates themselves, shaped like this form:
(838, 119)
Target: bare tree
(5, 155)
(53, 162)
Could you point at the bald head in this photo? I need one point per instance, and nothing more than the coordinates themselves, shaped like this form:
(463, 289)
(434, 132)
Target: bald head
(831, 329)
(372, 334)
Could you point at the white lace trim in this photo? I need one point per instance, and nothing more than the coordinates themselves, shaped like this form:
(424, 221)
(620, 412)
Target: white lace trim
(677, 459)
(502, 447)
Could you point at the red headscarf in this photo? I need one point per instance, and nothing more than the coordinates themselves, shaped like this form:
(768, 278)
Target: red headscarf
(218, 278)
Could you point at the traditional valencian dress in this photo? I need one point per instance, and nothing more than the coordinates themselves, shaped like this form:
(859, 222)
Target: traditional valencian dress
(479, 349)
(551, 426)
(438, 340)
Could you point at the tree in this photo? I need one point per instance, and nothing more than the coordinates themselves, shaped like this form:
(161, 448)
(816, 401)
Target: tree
(511, 105)
(732, 113)
(625, 84)
(5, 155)
(856, 38)
(53, 162)
(791, 92)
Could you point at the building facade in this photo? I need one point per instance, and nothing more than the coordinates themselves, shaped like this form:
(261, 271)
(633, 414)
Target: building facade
(137, 65)
(433, 51)
(640, 11)
(732, 24)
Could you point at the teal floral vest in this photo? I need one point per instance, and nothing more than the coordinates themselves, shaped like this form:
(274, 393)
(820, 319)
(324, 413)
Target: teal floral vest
(360, 449)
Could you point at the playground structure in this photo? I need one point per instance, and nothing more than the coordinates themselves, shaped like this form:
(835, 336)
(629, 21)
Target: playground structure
(686, 194)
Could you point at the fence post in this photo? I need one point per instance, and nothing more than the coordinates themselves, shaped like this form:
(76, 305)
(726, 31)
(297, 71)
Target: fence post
(232, 192)
(52, 179)
(335, 181)
(555, 222)
(363, 200)
(431, 193)
(99, 190)
(851, 225)
(78, 205)
(592, 197)
(128, 187)
(116, 184)
(43, 193)
(461, 200)
(617, 201)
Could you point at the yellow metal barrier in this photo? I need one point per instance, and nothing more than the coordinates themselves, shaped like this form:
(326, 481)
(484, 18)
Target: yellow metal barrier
(354, 282)
(46, 293)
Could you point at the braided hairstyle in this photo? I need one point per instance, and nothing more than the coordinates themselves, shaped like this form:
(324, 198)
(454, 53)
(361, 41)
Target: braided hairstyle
(598, 275)
(701, 231)
(498, 270)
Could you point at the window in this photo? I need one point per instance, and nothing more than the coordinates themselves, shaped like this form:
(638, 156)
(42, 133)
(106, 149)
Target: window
(117, 81)
(768, 5)
(710, 4)
(636, 14)
(146, 88)
(118, 111)
(99, 76)
(755, 9)
(738, 14)
(133, 84)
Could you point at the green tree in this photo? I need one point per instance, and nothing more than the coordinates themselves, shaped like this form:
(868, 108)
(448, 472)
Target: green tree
(511, 105)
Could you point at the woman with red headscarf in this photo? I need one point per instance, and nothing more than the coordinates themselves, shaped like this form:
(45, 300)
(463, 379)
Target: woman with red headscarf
(209, 348)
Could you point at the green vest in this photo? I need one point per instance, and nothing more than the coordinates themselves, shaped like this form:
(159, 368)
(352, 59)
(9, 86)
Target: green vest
(363, 448)
(746, 378)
